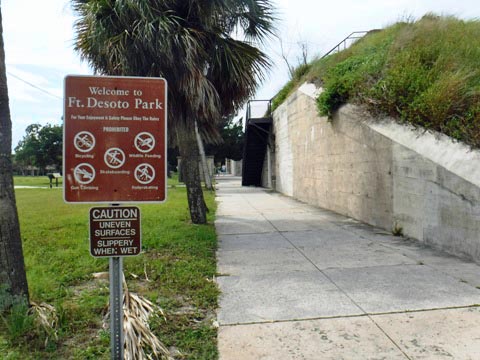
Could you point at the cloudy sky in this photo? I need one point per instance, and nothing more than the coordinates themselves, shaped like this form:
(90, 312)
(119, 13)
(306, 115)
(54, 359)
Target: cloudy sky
(39, 52)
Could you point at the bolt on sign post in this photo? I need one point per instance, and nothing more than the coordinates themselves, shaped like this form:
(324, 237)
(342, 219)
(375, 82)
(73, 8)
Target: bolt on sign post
(114, 151)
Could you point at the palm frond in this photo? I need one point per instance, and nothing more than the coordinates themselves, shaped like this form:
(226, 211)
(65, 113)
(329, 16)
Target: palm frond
(45, 316)
(140, 342)
(188, 42)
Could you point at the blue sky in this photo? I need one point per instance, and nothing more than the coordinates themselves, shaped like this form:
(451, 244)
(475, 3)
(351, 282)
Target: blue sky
(39, 35)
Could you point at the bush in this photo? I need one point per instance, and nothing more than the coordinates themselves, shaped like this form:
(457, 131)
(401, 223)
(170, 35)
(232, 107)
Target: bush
(19, 324)
(283, 94)
(339, 85)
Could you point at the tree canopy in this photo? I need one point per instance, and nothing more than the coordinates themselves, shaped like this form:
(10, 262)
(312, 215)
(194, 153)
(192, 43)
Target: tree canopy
(41, 146)
(231, 146)
(196, 46)
(193, 44)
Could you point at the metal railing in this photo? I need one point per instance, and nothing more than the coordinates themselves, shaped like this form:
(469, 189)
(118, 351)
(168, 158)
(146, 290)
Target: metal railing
(265, 113)
(342, 45)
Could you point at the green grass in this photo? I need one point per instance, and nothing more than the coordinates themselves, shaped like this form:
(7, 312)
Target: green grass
(178, 260)
(43, 181)
(426, 73)
(298, 76)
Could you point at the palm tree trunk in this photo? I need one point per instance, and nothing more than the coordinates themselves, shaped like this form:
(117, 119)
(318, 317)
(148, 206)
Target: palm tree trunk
(12, 267)
(201, 149)
(187, 145)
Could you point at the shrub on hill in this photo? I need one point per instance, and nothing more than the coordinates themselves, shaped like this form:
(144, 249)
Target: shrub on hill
(426, 73)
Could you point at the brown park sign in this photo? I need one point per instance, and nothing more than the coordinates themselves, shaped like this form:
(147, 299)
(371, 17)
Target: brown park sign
(115, 139)
(115, 231)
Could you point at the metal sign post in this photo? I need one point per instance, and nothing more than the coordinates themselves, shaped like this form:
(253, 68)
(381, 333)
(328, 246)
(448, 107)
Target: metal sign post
(115, 232)
(116, 307)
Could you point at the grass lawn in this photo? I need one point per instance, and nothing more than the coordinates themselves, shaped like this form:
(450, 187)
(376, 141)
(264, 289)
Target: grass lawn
(35, 181)
(45, 181)
(175, 270)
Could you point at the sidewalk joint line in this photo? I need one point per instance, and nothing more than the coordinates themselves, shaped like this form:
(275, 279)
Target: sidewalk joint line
(369, 315)
(389, 337)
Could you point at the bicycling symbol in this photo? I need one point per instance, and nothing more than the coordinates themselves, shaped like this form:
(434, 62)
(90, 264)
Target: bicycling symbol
(84, 141)
(144, 173)
(114, 158)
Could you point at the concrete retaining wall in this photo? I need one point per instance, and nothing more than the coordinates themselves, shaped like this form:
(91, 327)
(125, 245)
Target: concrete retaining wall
(234, 167)
(379, 172)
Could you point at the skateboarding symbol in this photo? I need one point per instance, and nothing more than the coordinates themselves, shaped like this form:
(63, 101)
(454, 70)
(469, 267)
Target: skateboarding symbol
(144, 173)
(114, 158)
(84, 173)
(144, 142)
(84, 141)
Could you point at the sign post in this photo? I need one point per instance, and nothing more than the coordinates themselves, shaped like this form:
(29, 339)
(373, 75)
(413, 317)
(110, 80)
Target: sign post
(115, 152)
(114, 233)
(116, 307)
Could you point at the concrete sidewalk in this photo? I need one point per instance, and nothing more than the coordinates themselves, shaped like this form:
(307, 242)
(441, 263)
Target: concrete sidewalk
(300, 282)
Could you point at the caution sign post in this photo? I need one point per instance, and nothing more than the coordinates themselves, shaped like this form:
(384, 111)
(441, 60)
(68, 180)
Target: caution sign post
(114, 151)
(115, 139)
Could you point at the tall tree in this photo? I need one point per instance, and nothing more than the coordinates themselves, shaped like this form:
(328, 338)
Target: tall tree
(232, 141)
(41, 146)
(191, 43)
(12, 268)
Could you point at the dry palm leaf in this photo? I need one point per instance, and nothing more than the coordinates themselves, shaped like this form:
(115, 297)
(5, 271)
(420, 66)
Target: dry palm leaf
(140, 342)
(45, 316)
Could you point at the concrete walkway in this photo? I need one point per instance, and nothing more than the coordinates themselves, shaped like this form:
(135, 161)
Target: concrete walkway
(300, 282)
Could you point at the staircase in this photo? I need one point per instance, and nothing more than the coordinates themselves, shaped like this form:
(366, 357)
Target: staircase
(257, 132)
(258, 128)
(350, 39)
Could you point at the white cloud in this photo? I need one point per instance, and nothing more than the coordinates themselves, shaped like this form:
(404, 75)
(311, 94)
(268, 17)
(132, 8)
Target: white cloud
(39, 32)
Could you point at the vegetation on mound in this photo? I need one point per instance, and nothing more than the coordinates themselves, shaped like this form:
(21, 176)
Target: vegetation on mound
(426, 73)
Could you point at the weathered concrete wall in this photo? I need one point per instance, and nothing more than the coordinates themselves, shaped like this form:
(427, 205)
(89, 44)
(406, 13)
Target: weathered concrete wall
(283, 149)
(331, 165)
(380, 172)
(233, 167)
(435, 205)
(268, 172)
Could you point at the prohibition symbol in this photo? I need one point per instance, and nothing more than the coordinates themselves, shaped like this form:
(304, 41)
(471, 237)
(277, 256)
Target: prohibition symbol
(144, 173)
(114, 158)
(84, 141)
(84, 173)
(144, 142)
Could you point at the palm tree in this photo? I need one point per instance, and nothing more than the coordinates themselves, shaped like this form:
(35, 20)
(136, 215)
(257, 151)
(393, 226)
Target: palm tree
(13, 279)
(190, 43)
